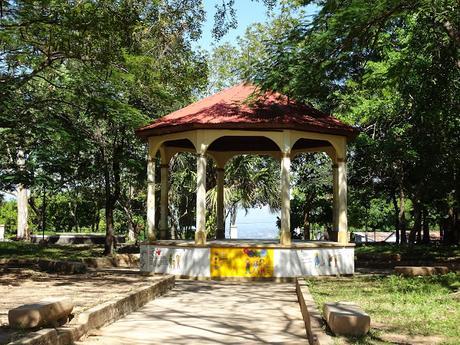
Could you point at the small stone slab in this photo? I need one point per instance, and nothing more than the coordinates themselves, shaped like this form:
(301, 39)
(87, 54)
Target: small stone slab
(344, 318)
(64, 267)
(412, 271)
(47, 312)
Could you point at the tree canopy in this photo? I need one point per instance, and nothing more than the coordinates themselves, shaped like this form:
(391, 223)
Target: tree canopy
(76, 79)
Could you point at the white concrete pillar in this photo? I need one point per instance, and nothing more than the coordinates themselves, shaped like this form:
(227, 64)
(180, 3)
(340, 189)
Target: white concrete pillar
(200, 233)
(151, 198)
(285, 236)
(164, 201)
(340, 222)
(220, 234)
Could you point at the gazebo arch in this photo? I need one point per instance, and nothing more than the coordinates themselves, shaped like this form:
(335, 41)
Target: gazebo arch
(233, 122)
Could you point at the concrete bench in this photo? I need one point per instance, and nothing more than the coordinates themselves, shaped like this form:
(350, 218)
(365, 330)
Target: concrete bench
(47, 312)
(412, 271)
(344, 318)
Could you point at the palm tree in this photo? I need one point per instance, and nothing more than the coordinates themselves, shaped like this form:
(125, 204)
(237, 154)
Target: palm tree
(250, 181)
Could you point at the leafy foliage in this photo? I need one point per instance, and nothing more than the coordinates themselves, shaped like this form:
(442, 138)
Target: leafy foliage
(392, 68)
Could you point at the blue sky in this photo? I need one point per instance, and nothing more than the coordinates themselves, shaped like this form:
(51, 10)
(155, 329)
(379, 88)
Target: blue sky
(248, 12)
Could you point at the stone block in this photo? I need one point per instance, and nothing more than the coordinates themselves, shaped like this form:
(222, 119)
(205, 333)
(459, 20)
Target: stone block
(412, 271)
(63, 267)
(47, 312)
(344, 318)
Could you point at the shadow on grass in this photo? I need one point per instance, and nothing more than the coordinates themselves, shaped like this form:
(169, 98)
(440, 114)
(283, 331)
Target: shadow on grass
(24, 250)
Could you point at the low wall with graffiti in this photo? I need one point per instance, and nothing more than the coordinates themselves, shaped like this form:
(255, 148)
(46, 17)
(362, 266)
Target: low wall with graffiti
(246, 262)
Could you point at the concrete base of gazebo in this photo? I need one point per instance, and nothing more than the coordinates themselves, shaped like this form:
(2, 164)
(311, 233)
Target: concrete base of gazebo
(247, 259)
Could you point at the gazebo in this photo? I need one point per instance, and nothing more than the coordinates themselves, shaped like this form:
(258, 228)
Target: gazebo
(244, 120)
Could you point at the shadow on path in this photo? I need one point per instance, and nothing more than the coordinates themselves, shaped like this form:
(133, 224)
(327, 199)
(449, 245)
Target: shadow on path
(197, 312)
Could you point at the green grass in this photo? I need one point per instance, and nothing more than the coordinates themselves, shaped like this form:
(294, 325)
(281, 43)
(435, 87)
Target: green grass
(416, 306)
(425, 252)
(23, 250)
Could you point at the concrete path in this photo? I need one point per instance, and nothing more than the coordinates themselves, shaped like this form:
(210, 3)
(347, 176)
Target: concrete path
(197, 312)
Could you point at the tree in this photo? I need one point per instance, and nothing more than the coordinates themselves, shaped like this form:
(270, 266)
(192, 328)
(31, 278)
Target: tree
(87, 74)
(312, 192)
(391, 67)
(224, 68)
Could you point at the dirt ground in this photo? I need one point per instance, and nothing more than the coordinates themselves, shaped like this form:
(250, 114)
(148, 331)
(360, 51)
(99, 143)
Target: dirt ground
(22, 286)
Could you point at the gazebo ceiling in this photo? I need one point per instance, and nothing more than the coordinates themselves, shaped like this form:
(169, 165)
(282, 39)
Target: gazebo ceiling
(244, 143)
(242, 107)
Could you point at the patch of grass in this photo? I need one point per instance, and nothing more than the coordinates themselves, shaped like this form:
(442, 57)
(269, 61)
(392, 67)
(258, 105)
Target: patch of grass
(415, 306)
(434, 251)
(24, 250)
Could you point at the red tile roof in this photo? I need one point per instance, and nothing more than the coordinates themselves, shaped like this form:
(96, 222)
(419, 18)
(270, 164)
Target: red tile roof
(242, 107)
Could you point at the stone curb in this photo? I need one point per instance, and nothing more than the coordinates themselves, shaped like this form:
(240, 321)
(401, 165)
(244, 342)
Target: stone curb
(75, 267)
(314, 323)
(118, 260)
(55, 266)
(97, 316)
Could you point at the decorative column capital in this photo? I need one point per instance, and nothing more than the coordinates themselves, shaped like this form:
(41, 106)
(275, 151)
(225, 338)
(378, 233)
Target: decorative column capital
(285, 154)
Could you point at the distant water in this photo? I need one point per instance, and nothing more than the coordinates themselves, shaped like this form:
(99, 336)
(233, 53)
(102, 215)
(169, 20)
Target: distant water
(257, 223)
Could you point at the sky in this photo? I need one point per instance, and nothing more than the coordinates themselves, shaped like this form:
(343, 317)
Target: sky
(247, 13)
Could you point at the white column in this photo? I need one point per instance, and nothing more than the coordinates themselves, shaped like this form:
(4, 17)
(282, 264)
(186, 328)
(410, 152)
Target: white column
(220, 204)
(340, 201)
(151, 198)
(285, 237)
(164, 201)
(200, 234)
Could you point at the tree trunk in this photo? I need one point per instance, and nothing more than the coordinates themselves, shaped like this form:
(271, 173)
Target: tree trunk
(109, 242)
(449, 227)
(425, 227)
(457, 226)
(111, 198)
(98, 217)
(23, 232)
(131, 234)
(306, 226)
(402, 216)
(43, 212)
(94, 218)
(233, 212)
(396, 208)
(416, 230)
(233, 216)
(108, 246)
(73, 213)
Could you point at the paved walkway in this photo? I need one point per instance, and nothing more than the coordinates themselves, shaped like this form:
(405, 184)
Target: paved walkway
(197, 312)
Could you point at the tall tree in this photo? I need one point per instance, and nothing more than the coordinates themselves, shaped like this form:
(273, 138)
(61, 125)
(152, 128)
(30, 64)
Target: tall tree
(92, 70)
(391, 67)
